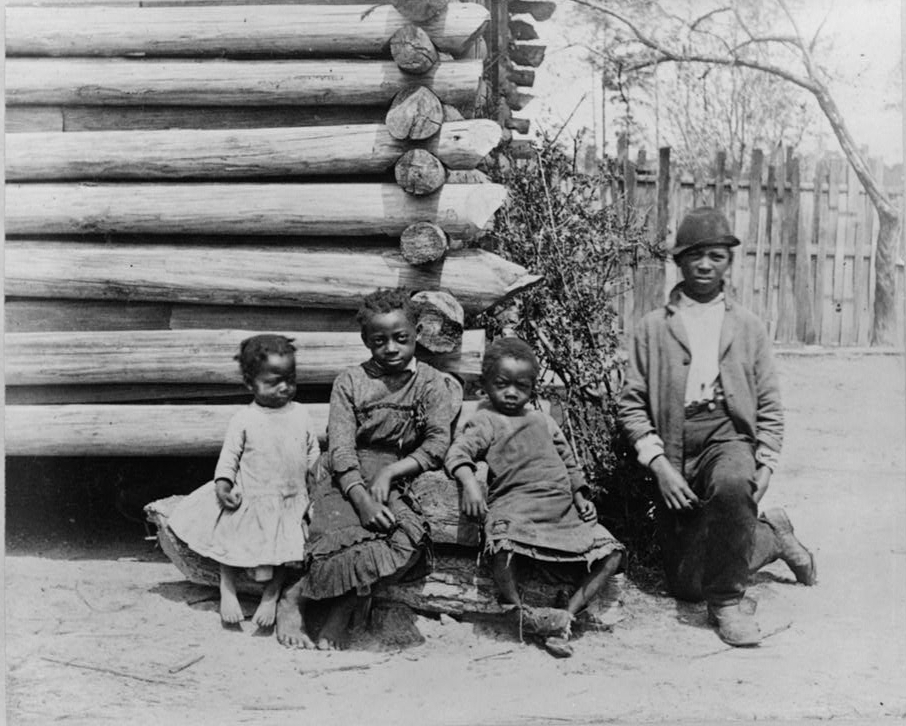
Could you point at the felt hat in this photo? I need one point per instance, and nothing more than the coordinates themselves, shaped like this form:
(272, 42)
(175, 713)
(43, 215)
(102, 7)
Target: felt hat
(702, 227)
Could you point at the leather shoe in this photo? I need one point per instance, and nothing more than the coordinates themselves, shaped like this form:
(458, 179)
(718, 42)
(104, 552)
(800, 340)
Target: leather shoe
(792, 551)
(735, 626)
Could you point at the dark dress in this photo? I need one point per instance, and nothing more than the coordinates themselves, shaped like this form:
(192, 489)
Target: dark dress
(376, 418)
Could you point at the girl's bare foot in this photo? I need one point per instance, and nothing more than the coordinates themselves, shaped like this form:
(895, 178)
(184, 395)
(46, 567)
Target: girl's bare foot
(230, 610)
(333, 634)
(267, 609)
(291, 619)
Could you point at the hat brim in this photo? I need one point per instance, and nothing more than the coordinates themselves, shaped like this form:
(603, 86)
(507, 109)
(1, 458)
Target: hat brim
(724, 240)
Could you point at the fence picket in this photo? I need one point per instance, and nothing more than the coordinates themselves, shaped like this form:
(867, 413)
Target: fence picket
(836, 242)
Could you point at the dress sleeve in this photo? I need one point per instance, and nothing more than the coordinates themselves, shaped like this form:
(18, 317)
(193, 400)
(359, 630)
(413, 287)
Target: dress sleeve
(231, 451)
(576, 477)
(341, 432)
(438, 420)
(314, 447)
(471, 445)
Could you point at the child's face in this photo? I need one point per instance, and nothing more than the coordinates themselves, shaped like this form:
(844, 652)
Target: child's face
(275, 384)
(510, 385)
(391, 339)
(703, 270)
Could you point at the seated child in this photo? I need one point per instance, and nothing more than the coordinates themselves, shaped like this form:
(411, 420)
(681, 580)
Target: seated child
(538, 512)
(390, 420)
(255, 511)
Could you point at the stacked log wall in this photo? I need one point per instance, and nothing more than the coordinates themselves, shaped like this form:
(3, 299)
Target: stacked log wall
(184, 173)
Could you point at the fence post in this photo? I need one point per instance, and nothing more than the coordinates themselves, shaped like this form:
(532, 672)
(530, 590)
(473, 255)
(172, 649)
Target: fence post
(802, 284)
(835, 240)
(751, 242)
(785, 309)
(719, 196)
(820, 242)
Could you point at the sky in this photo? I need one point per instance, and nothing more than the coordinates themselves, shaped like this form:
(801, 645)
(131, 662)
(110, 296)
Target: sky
(867, 55)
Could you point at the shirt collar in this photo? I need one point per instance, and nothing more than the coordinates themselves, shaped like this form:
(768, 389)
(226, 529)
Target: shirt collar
(684, 301)
(376, 370)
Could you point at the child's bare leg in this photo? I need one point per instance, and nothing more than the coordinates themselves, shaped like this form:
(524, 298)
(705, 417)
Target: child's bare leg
(503, 567)
(230, 610)
(333, 634)
(596, 579)
(291, 618)
(267, 609)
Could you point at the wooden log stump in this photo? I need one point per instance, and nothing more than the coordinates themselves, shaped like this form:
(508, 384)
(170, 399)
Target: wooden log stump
(423, 242)
(416, 113)
(419, 172)
(440, 320)
(412, 49)
(420, 11)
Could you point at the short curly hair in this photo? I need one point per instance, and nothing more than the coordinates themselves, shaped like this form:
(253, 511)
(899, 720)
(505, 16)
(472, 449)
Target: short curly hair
(507, 348)
(254, 351)
(386, 300)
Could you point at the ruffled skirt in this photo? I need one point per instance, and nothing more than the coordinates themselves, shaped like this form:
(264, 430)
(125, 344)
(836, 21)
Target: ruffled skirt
(266, 529)
(342, 554)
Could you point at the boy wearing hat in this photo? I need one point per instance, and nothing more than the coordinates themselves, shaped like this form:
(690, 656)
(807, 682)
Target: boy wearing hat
(702, 407)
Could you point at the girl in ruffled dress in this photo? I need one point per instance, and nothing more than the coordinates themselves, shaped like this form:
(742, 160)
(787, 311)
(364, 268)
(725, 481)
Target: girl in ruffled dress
(254, 514)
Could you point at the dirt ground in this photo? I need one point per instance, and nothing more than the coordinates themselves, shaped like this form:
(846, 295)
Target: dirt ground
(102, 629)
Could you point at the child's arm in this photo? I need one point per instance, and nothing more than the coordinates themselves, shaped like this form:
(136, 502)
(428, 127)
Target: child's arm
(228, 464)
(580, 488)
(341, 430)
(468, 447)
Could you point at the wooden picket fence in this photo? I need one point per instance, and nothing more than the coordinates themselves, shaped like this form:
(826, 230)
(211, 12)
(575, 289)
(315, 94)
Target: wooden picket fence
(806, 265)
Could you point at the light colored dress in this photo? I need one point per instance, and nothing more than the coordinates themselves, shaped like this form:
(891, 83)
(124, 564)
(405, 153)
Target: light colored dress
(267, 454)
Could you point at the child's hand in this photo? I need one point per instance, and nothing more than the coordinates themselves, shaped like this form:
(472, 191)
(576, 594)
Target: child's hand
(473, 503)
(587, 510)
(373, 514)
(228, 495)
(380, 485)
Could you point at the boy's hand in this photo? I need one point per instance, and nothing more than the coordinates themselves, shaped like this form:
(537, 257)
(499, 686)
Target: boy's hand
(473, 503)
(380, 486)
(373, 514)
(675, 490)
(762, 480)
(227, 494)
(587, 510)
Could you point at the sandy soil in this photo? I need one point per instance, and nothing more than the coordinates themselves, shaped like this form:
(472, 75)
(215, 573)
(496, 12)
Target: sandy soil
(110, 633)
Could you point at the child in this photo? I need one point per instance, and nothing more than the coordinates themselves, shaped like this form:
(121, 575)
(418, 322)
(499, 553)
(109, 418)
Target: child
(538, 509)
(255, 511)
(390, 420)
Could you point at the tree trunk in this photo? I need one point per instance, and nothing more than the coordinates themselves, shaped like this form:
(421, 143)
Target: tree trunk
(419, 172)
(284, 30)
(233, 209)
(122, 82)
(248, 274)
(175, 153)
(192, 356)
(885, 319)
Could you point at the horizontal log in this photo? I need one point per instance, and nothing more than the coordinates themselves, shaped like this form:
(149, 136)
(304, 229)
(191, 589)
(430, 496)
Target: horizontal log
(131, 430)
(83, 81)
(174, 153)
(521, 30)
(284, 30)
(248, 275)
(421, 11)
(468, 176)
(33, 119)
(191, 356)
(232, 209)
(521, 76)
(520, 125)
(153, 393)
(31, 315)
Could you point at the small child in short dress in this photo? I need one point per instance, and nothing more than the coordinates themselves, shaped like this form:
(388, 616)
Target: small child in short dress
(254, 514)
(538, 509)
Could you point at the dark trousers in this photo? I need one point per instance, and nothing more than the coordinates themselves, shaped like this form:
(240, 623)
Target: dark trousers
(709, 553)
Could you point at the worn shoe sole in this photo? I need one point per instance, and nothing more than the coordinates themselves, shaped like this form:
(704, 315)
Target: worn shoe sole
(736, 642)
(807, 574)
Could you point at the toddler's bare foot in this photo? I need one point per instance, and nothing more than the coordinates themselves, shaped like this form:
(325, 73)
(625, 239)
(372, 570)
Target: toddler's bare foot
(267, 609)
(230, 610)
(333, 634)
